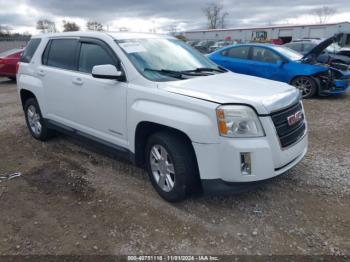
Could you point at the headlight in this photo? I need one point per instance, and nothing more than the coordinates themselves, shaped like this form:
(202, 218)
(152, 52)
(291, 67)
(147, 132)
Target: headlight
(238, 121)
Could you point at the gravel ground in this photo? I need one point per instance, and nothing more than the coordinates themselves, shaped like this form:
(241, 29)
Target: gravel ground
(74, 200)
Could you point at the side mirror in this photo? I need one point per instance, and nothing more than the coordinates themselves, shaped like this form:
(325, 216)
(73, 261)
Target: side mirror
(106, 72)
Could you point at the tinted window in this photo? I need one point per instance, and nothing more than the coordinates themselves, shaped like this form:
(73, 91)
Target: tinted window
(30, 50)
(237, 52)
(264, 55)
(91, 55)
(61, 53)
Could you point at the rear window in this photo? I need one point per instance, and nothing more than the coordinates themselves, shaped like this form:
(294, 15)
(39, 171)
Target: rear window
(9, 52)
(61, 53)
(30, 50)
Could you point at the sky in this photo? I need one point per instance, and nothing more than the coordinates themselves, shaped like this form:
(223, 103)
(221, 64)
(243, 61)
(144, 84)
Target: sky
(162, 15)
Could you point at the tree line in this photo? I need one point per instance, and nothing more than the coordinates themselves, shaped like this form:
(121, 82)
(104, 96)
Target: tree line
(48, 26)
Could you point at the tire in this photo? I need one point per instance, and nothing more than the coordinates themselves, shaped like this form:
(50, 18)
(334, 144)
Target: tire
(175, 175)
(12, 78)
(306, 84)
(35, 122)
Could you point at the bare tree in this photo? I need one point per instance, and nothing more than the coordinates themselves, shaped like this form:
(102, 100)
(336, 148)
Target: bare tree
(94, 26)
(70, 26)
(172, 29)
(323, 14)
(215, 15)
(46, 26)
(5, 30)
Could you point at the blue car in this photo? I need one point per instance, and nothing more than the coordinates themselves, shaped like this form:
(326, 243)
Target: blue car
(286, 65)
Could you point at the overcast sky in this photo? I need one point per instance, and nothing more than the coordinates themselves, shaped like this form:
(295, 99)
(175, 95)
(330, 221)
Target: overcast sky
(146, 15)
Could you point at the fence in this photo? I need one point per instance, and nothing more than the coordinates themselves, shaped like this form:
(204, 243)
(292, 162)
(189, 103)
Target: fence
(7, 43)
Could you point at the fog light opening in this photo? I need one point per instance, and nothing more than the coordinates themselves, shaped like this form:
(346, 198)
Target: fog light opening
(246, 164)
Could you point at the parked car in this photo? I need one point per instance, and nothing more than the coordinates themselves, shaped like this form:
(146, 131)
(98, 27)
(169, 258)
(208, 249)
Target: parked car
(345, 51)
(203, 46)
(324, 51)
(192, 42)
(8, 62)
(283, 64)
(191, 124)
(218, 45)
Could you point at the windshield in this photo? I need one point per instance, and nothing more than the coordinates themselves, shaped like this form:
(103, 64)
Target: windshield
(156, 57)
(289, 53)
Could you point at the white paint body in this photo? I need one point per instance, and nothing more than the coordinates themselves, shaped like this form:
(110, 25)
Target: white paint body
(111, 110)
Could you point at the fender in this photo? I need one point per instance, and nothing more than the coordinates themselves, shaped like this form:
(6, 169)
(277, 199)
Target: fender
(199, 126)
(34, 85)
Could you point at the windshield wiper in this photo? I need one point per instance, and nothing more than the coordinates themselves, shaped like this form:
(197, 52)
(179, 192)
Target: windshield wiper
(201, 71)
(205, 69)
(176, 74)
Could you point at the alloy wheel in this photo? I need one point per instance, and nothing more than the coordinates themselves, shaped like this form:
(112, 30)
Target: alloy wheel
(162, 168)
(34, 120)
(304, 84)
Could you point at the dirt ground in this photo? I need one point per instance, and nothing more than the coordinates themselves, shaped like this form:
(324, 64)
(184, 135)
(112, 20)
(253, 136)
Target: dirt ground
(73, 200)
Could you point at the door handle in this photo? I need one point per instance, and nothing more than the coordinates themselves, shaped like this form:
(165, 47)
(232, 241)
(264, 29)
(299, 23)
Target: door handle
(78, 81)
(41, 72)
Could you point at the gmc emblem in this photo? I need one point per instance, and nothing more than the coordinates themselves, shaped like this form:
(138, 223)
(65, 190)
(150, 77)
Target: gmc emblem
(293, 119)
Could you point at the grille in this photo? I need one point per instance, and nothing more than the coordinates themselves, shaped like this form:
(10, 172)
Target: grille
(288, 134)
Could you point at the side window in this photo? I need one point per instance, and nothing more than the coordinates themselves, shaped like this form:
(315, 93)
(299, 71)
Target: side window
(30, 50)
(61, 53)
(265, 55)
(237, 52)
(91, 55)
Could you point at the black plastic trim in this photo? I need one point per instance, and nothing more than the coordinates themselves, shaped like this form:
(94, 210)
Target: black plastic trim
(216, 187)
(92, 141)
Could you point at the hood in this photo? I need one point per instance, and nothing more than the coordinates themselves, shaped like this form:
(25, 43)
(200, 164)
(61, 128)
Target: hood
(317, 50)
(264, 95)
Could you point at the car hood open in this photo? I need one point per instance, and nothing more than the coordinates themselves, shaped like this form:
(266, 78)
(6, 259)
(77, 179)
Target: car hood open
(264, 95)
(317, 50)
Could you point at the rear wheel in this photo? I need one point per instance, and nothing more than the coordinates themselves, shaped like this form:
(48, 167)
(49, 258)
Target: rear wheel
(36, 123)
(171, 166)
(306, 85)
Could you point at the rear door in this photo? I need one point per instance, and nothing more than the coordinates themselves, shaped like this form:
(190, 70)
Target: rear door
(267, 63)
(236, 59)
(57, 72)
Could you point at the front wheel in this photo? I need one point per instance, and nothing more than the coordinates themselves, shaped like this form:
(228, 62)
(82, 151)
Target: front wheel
(171, 166)
(306, 85)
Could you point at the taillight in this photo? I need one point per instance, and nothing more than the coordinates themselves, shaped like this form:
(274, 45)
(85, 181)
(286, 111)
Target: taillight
(17, 68)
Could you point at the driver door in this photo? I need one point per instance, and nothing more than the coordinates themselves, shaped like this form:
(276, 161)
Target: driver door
(267, 63)
(100, 108)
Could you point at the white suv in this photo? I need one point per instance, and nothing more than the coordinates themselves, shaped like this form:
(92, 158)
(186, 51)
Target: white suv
(190, 123)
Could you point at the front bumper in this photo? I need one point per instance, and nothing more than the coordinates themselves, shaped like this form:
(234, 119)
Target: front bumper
(221, 187)
(220, 164)
(341, 86)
